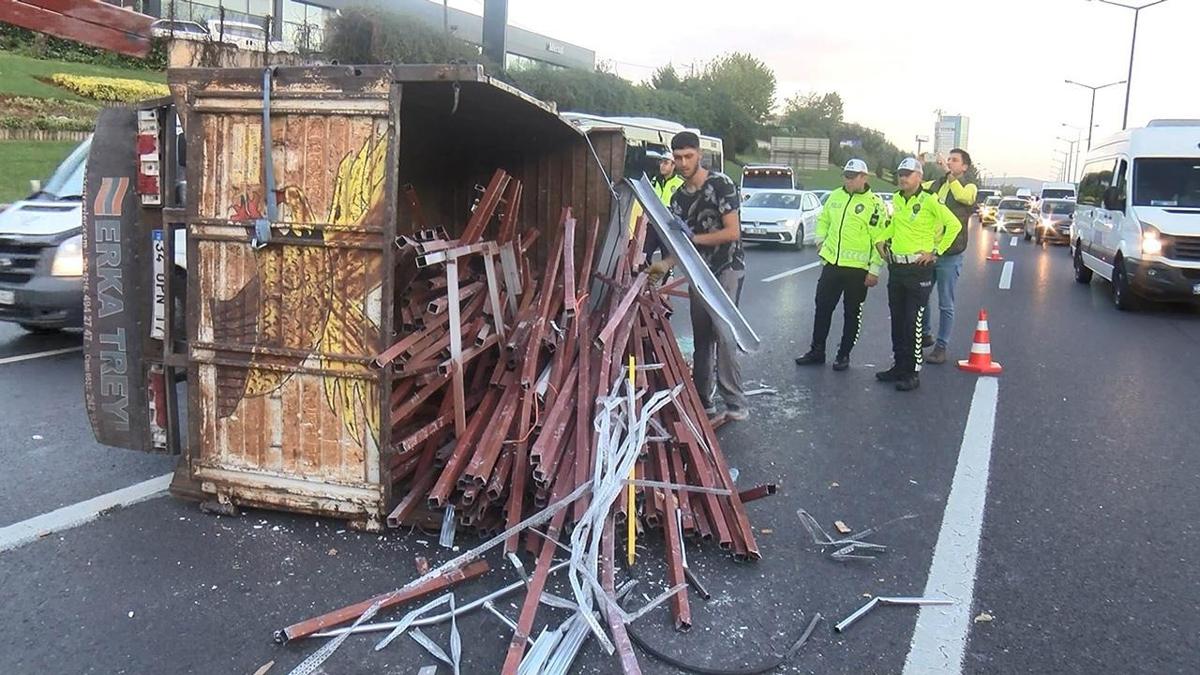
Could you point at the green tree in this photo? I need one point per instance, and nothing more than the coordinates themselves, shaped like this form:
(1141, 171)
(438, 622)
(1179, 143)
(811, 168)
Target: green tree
(368, 33)
(665, 79)
(738, 92)
(812, 115)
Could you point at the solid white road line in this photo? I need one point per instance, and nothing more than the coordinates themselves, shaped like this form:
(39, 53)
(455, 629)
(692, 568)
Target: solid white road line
(38, 355)
(1006, 276)
(19, 534)
(1013, 242)
(796, 270)
(940, 638)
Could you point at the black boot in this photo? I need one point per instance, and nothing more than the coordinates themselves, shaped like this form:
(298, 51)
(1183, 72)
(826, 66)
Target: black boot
(908, 382)
(841, 362)
(890, 375)
(812, 358)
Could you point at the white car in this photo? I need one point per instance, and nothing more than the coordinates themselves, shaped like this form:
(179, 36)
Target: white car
(780, 217)
(179, 30)
(1137, 221)
(248, 36)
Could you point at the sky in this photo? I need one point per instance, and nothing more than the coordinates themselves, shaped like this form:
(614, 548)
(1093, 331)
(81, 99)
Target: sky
(1000, 62)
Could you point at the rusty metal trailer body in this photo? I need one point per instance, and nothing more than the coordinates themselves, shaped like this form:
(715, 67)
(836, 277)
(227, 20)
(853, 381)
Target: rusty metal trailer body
(285, 407)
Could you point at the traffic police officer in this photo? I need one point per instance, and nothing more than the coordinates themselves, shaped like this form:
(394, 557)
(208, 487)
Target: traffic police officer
(920, 229)
(848, 228)
(665, 182)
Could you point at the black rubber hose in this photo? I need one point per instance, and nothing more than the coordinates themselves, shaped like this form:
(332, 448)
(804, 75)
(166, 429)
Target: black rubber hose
(710, 670)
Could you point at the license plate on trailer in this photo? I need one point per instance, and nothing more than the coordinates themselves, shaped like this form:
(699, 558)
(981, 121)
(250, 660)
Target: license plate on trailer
(8, 298)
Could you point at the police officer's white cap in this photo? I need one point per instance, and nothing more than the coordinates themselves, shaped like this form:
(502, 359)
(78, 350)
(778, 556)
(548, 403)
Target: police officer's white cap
(910, 164)
(855, 166)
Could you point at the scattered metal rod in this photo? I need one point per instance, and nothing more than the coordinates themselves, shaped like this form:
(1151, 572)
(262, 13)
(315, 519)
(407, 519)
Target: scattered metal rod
(681, 487)
(440, 618)
(426, 585)
(751, 494)
(761, 391)
(487, 604)
(694, 582)
(883, 600)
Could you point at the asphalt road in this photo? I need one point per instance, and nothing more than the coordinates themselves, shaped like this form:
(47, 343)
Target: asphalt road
(1087, 560)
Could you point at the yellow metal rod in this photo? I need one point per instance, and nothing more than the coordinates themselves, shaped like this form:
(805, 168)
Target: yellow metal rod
(630, 509)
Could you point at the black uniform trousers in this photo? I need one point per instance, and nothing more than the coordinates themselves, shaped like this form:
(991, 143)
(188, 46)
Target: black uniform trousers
(836, 282)
(908, 293)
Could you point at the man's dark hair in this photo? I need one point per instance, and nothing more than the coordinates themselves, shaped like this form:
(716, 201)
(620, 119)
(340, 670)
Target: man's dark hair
(685, 139)
(966, 156)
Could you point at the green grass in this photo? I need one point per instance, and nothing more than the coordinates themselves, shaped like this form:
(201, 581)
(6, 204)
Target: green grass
(830, 178)
(18, 75)
(21, 161)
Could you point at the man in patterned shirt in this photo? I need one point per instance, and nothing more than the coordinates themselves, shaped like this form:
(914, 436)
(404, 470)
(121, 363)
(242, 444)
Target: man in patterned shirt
(708, 203)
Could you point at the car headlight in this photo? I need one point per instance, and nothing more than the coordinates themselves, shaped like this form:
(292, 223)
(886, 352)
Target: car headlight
(1152, 242)
(68, 259)
(789, 224)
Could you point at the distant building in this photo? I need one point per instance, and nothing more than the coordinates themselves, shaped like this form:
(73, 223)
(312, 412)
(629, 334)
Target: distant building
(302, 23)
(951, 132)
(524, 48)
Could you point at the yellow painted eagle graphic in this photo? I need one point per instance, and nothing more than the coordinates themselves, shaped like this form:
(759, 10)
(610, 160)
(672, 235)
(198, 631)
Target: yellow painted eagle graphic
(306, 298)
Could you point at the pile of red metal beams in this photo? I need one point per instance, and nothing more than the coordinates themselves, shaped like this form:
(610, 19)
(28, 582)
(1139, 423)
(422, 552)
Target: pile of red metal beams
(500, 367)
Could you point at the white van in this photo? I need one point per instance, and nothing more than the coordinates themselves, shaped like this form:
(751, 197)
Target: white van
(766, 177)
(1056, 191)
(1137, 223)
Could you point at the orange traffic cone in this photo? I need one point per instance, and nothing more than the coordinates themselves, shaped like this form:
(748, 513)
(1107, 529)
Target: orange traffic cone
(995, 249)
(980, 360)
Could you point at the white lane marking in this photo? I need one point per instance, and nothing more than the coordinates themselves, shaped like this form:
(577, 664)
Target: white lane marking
(796, 270)
(940, 637)
(1006, 276)
(38, 355)
(19, 534)
(1013, 242)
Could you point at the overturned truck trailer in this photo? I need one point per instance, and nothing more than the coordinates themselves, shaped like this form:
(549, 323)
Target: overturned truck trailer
(292, 264)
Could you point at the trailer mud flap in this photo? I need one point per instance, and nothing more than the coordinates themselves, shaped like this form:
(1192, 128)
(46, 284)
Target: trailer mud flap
(116, 277)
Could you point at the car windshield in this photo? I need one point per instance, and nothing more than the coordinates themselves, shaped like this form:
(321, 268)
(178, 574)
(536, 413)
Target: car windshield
(1013, 205)
(992, 201)
(773, 200)
(1167, 182)
(1058, 208)
(67, 180)
(766, 178)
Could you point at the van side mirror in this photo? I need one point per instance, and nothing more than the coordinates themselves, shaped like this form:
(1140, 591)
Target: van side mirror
(1113, 199)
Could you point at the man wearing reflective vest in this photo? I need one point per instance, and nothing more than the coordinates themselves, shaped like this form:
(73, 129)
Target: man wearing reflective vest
(919, 232)
(665, 182)
(847, 230)
(958, 194)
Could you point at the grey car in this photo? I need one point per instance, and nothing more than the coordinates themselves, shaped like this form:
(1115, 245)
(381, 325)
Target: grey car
(1052, 222)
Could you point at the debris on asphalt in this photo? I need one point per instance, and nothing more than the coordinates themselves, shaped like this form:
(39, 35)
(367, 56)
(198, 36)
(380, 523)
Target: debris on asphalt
(984, 617)
(884, 600)
(569, 413)
(262, 670)
(848, 548)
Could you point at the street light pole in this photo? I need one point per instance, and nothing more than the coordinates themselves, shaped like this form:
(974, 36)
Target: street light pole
(1092, 114)
(1070, 168)
(1137, 11)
